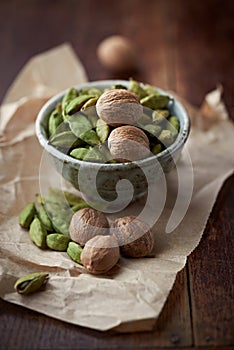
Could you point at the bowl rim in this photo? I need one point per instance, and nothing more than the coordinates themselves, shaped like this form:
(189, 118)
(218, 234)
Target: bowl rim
(168, 152)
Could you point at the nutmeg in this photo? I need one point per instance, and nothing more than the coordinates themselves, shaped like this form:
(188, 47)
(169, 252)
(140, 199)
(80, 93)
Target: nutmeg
(119, 106)
(87, 223)
(100, 254)
(117, 53)
(133, 235)
(128, 143)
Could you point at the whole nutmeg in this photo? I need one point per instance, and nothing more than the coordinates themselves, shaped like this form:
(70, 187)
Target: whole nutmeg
(119, 106)
(100, 254)
(128, 143)
(87, 223)
(117, 54)
(134, 236)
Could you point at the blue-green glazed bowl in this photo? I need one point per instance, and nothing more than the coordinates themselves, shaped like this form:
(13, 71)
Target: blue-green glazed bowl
(98, 181)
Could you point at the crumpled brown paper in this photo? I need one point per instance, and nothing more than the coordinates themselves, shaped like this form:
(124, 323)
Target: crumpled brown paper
(131, 296)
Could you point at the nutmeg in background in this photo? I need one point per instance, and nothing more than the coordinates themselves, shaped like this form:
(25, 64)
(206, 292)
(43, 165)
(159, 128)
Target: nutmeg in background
(117, 53)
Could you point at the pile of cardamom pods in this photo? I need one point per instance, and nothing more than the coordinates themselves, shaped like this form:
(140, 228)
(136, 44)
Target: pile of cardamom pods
(48, 220)
(75, 128)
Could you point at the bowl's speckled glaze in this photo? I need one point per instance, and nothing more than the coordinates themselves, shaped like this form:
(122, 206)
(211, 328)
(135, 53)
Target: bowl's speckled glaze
(108, 175)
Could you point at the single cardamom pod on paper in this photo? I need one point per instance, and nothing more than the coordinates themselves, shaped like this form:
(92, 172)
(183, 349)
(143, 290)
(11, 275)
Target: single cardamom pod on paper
(31, 283)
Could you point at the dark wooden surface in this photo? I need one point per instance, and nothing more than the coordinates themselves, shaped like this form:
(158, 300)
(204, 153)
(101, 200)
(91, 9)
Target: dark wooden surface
(185, 45)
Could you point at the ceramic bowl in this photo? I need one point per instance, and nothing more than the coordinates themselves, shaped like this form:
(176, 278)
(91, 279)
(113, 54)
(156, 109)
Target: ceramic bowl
(100, 181)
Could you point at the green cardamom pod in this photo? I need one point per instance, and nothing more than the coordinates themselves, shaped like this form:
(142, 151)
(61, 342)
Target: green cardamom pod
(153, 129)
(105, 152)
(76, 104)
(26, 216)
(158, 117)
(68, 97)
(59, 211)
(55, 119)
(74, 251)
(66, 140)
(38, 233)
(173, 125)
(155, 101)
(57, 241)
(64, 126)
(69, 198)
(61, 216)
(79, 153)
(72, 198)
(90, 103)
(135, 87)
(166, 137)
(102, 130)
(156, 149)
(40, 199)
(79, 124)
(31, 283)
(93, 155)
(150, 90)
(118, 86)
(61, 223)
(90, 91)
(163, 112)
(44, 218)
(92, 116)
(90, 137)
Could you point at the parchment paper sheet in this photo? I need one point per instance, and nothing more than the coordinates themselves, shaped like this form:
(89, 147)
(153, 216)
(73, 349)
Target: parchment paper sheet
(132, 295)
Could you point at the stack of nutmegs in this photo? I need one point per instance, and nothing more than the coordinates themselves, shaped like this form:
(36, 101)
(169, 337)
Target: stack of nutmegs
(62, 221)
(102, 244)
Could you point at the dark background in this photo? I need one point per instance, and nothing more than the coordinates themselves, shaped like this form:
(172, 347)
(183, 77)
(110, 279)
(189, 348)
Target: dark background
(183, 45)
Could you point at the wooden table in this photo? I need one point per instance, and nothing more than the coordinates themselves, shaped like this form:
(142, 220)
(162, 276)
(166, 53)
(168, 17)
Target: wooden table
(186, 46)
